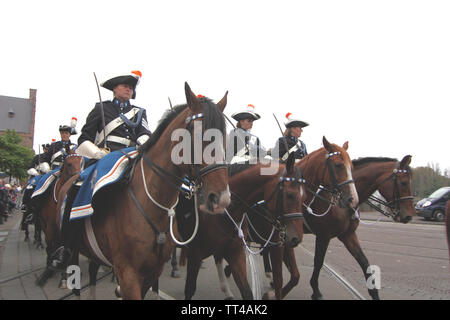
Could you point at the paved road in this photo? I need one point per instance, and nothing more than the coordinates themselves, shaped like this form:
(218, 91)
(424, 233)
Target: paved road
(413, 259)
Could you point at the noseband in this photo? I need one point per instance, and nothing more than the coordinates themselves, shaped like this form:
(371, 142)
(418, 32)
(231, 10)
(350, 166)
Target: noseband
(394, 205)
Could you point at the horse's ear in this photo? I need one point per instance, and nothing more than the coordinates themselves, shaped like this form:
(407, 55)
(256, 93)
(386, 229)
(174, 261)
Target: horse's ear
(345, 146)
(191, 99)
(405, 161)
(290, 163)
(223, 102)
(326, 144)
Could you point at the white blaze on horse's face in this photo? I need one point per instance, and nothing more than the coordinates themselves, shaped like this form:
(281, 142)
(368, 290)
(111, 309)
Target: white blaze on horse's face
(352, 187)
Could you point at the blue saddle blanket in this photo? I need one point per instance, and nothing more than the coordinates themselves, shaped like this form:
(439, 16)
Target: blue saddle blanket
(108, 170)
(43, 182)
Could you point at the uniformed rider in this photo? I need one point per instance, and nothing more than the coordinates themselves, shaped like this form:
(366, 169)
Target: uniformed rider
(290, 139)
(54, 157)
(125, 125)
(242, 146)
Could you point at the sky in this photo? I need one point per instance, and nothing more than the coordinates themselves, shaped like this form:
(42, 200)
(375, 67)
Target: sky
(374, 73)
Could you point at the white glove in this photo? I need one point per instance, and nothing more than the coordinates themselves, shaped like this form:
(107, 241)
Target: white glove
(90, 150)
(32, 172)
(142, 139)
(44, 167)
(100, 154)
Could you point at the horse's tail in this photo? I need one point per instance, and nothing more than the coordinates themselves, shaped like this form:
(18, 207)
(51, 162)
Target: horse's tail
(43, 278)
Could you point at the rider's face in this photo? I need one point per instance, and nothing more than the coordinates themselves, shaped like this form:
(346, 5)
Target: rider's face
(123, 92)
(65, 135)
(296, 131)
(247, 124)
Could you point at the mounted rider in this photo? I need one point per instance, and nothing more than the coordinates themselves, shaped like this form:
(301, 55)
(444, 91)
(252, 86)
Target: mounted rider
(54, 157)
(125, 125)
(242, 146)
(294, 129)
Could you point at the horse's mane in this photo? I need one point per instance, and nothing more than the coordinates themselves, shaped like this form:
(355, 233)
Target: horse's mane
(236, 168)
(362, 161)
(212, 118)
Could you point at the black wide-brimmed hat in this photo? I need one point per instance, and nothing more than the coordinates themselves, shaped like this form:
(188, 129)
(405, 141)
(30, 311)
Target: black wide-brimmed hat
(292, 122)
(71, 128)
(132, 79)
(248, 113)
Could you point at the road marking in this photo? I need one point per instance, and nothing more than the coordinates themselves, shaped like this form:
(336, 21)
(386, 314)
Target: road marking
(3, 233)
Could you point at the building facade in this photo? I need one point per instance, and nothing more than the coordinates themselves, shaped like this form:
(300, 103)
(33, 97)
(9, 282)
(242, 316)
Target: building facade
(19, 114)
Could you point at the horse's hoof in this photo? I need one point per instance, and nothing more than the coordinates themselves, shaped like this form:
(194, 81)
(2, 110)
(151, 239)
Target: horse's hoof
(317, 297)
(63, 284)
(117, 293)
(175, 274)
(229, 298)
(269, 295)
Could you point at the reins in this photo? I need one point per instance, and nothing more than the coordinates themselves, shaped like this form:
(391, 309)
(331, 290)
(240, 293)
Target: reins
(195, 185)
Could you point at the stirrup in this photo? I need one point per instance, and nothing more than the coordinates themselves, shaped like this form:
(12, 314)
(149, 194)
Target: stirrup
(60, 258)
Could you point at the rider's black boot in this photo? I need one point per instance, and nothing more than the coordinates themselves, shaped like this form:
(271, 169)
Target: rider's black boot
(60, 258)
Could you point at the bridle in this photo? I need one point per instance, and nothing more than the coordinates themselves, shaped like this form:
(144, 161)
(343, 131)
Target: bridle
(336, 191)
(175, 182)
(278, 223)
(393, 205)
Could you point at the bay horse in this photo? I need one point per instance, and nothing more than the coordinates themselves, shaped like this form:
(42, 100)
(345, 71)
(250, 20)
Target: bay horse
(220, 236)
(48, 215)
(329, 170)
(131, 220)
(393, 180)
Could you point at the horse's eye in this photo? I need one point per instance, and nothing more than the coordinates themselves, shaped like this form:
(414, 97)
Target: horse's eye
(291, 196)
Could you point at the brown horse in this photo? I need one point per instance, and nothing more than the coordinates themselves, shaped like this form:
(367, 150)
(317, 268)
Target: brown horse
(48, 215)
(393, 180)
(131, 220)
(220, 236)
(330, 168)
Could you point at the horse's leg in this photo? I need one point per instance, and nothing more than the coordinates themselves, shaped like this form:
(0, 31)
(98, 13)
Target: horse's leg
(93, 271)
(267, 267)
(238, 264)
(37, 232)
(351, 242)
(192, 269)
(291, 264)
(175, 271)
(130, 286)
(224, 284)
(319, 257)
(276, 258)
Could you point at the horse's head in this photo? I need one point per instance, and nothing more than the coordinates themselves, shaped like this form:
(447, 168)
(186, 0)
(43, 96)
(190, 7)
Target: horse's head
(339, 169)
(397, 190)
(285, 196)
(207, 168)
(73, 163)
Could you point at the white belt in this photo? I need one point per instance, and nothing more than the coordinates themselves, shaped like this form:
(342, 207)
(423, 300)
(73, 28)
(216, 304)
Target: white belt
(293, 149)
(113, 124)
(120, 140)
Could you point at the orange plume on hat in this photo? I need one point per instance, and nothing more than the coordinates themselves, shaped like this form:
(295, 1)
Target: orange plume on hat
(53, 140)
(137, 72)
(200, 96)
(251, 106)
(288, 115)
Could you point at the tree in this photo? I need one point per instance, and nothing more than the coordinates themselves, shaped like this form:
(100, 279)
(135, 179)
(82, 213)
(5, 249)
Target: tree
(14, 158)
(427, 180)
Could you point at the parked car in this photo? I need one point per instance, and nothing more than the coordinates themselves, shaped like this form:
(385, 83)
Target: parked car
(433, 207)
